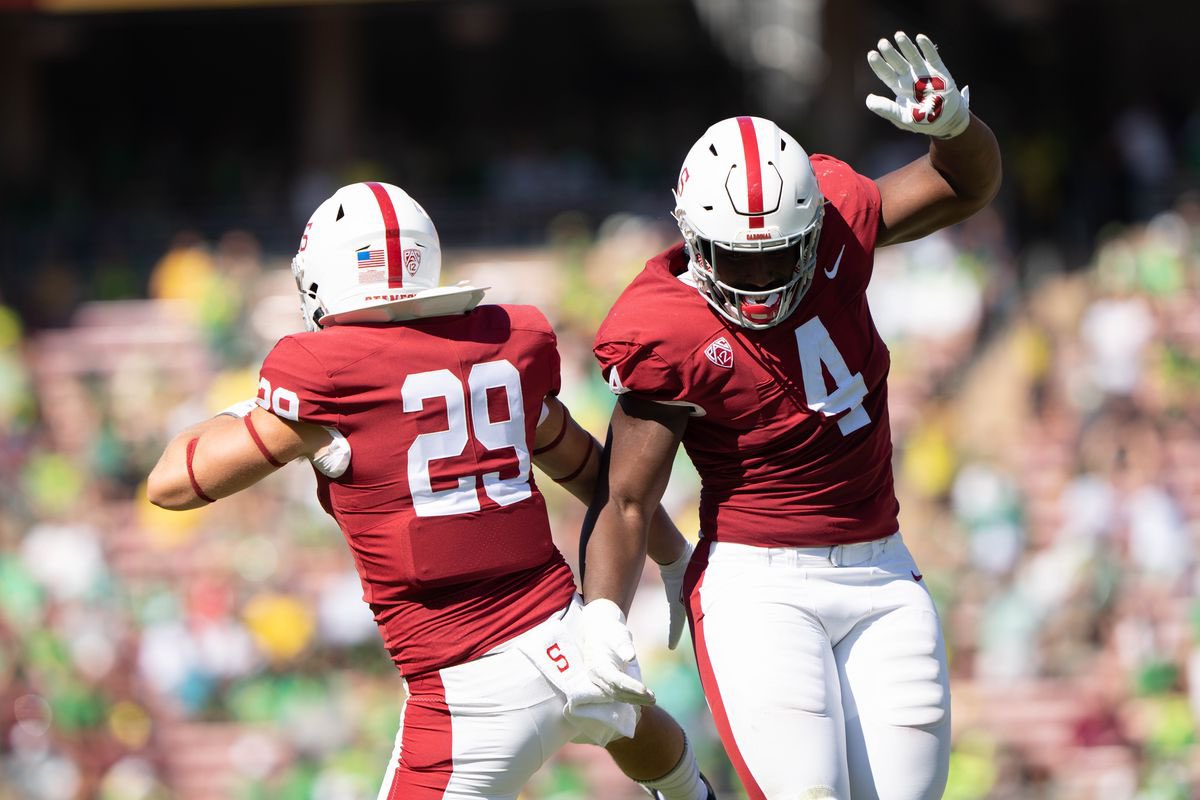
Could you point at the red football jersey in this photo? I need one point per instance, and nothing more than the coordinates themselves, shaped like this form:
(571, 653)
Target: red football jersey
(790, 428)
(448, 529)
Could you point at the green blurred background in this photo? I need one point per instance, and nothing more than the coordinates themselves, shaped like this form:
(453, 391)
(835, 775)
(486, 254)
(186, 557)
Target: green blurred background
(158, 160)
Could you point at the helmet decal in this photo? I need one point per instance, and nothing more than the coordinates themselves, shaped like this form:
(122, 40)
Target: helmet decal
(395, 277)
(754, 188)
(412, 260)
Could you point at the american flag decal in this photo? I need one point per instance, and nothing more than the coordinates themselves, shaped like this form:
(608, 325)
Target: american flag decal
(370, 258)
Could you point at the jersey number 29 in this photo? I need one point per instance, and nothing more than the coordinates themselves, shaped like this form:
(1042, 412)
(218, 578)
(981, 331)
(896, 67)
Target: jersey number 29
(452, 442)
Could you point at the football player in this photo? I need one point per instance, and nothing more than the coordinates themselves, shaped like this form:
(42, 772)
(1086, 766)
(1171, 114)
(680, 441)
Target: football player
(422, 413)
(751, 342)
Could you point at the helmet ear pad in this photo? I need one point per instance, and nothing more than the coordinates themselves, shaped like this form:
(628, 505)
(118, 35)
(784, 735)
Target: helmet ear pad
(747, 186)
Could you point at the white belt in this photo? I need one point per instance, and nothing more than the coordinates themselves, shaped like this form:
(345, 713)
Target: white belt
(838, 555)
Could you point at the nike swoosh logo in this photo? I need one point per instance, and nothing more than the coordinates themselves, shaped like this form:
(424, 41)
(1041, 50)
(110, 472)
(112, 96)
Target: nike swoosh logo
(916, 576)
(831, 274)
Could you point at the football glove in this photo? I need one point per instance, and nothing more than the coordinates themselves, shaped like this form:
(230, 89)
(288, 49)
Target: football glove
(672, 578)
(927, 99)
(608, 654)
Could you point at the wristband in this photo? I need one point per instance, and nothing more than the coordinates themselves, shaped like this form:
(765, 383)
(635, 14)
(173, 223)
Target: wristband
(191, 452)
(586, 458)
(262, 448)
(559, 436)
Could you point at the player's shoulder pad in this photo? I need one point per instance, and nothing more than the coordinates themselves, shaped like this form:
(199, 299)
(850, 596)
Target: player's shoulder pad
(300, 350)
(521, 317)
(853, 196)
(649, 341)
(658, 310)
(294, 382)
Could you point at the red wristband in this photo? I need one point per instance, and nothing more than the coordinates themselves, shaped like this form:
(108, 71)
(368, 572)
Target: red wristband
(559, 437)
(191, 451)
(262, 448)
(586, 458)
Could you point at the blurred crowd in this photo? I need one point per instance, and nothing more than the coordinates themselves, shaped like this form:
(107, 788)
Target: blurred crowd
(1047, 440)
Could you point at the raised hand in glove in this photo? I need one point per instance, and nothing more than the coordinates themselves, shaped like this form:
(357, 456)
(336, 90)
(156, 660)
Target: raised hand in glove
(608, 654)
(927, 99)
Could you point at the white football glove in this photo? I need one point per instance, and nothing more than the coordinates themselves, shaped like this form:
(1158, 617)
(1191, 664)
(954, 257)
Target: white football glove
(608, 654)
(672, 578)
(333, 459)
(927, 99)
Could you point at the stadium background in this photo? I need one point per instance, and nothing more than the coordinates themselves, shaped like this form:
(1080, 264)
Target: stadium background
(158, 160)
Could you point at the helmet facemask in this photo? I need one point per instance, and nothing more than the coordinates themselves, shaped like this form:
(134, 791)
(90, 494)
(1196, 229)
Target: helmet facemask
(756, 309)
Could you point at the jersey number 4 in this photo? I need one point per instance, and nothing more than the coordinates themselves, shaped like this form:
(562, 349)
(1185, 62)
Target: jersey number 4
(817, 349)
(452, 442)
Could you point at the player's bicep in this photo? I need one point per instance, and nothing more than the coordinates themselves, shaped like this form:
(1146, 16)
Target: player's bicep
(644, 438)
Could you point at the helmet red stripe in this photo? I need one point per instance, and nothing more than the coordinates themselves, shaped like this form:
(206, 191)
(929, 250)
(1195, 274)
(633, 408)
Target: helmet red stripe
(754, 189)
(395, 268)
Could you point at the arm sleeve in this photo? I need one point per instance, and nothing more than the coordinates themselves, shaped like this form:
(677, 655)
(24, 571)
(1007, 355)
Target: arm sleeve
(293, 384)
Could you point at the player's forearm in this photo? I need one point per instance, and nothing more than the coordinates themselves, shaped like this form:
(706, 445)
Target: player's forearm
(574, 464)
(958, 177)
(664, 543)
(970, 164)
(616, 553)
(168, 485)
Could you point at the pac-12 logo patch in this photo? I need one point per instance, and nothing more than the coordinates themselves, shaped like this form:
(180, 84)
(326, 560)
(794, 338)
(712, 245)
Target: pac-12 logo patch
(412, 260)
(720, 353)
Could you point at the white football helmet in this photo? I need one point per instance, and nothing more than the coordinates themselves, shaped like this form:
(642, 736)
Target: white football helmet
(370, 253)
(746, 186)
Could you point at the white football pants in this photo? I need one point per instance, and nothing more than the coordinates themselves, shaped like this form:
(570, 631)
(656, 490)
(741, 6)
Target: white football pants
(824, 668)
(480, 730)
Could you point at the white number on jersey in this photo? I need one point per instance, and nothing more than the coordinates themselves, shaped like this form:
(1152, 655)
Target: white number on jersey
(817, 348)
(282, 402)
(452, 442)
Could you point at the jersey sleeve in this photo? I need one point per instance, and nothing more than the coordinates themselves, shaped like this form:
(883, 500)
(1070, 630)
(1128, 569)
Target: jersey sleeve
(543, 365)
(293, 384)
(548, 358)
(637, 369)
